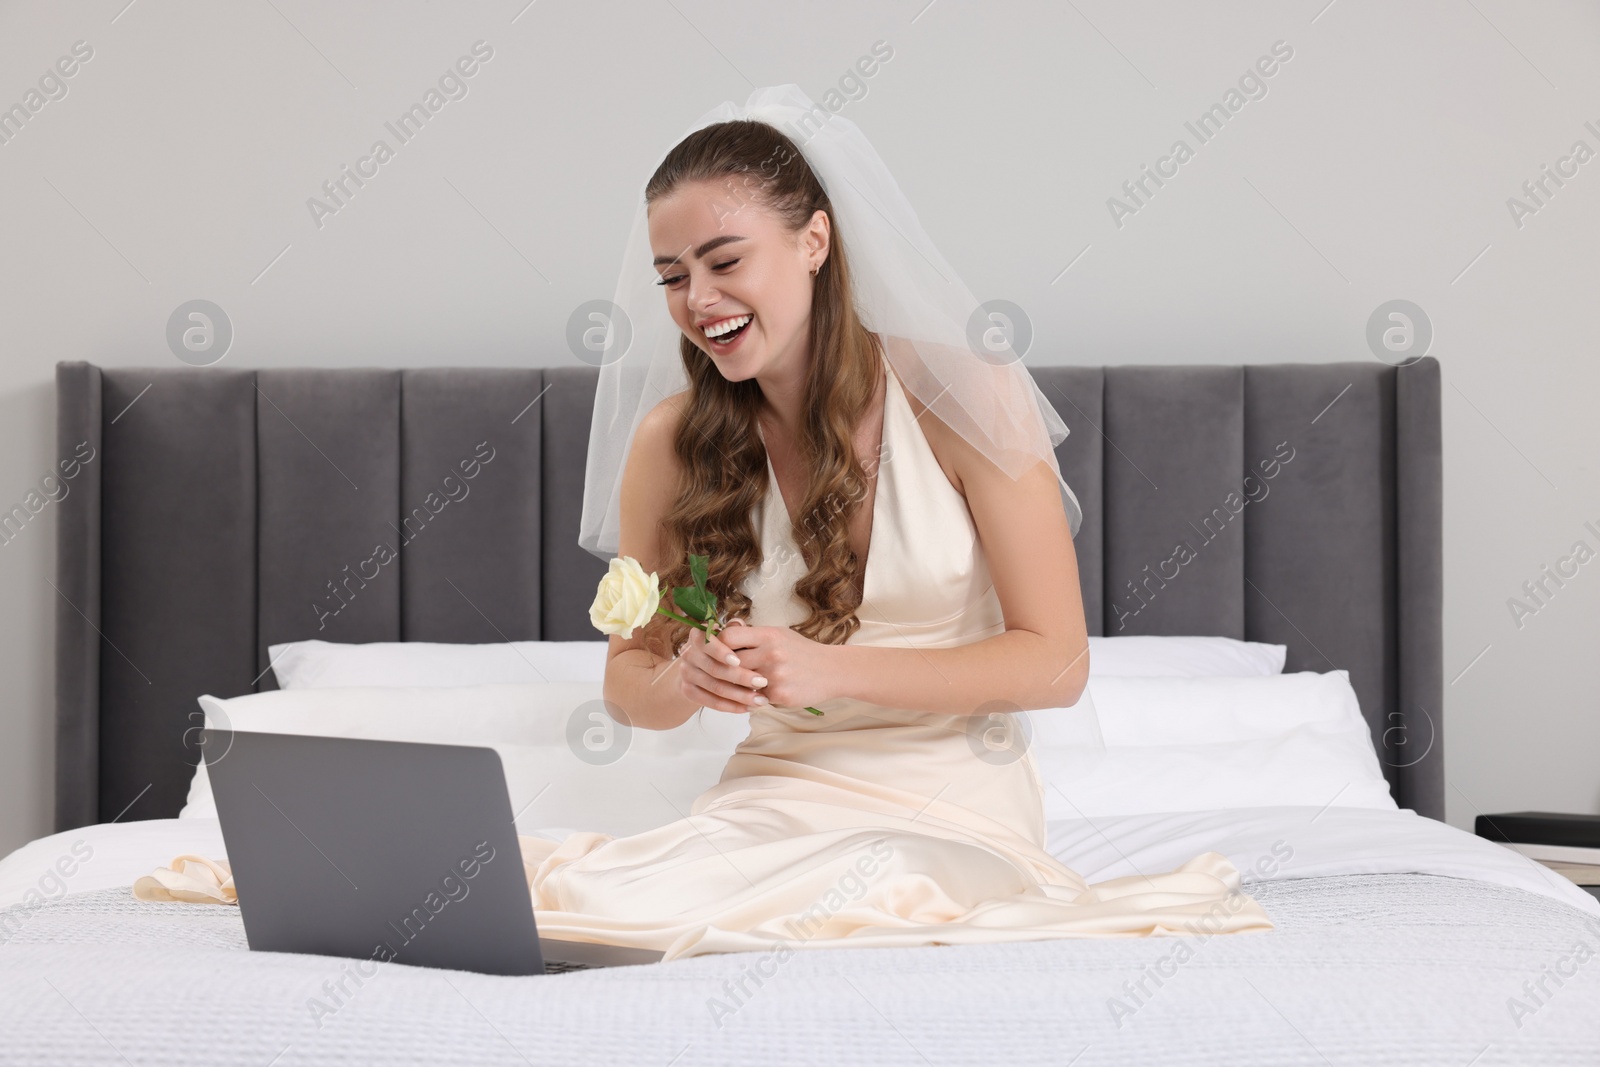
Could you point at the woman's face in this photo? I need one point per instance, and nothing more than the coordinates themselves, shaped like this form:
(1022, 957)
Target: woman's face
(723, 259)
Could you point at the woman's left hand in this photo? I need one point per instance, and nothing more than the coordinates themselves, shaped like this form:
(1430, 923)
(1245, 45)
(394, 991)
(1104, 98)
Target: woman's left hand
(798, 670)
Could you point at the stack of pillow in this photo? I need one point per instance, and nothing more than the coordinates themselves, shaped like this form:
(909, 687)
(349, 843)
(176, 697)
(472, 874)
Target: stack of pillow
(1189, 724)
(1204, 723)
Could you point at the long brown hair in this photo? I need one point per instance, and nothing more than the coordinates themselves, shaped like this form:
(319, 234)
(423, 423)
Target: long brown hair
(718, 444)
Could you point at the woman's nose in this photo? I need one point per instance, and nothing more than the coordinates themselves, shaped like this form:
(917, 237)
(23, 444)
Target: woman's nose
(702, 295)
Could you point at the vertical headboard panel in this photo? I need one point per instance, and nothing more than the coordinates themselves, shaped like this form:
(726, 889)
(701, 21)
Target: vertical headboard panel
(328, 464)
(472, 468)
(216, 515)
(178, 554)
(77, 586)
(1179, 437)
(1414, 735)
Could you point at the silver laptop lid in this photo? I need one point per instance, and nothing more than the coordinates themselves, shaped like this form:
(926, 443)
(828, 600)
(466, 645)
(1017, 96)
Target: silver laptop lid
(386, 850)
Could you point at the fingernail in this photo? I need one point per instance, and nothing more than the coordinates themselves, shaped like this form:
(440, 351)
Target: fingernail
(733, 661)
(758, 681)
(761, 700)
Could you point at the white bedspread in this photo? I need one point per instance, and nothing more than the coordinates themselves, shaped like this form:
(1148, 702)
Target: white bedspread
(1397, 940)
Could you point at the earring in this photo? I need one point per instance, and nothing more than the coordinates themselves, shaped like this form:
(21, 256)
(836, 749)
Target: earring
(813, 272)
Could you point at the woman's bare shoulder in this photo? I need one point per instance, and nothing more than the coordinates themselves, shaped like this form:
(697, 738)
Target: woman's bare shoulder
(659, 427)
(653, 458)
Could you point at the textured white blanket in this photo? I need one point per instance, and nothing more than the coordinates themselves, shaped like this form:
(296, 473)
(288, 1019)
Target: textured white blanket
(1361, 969)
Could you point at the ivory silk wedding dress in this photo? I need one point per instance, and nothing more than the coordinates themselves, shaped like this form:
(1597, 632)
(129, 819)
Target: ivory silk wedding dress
(869, 825)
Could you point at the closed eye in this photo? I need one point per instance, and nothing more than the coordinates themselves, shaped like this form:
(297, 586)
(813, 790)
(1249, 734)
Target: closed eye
(676, 278)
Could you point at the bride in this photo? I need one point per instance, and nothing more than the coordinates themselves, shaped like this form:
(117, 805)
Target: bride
(873, 482)
(782, 369)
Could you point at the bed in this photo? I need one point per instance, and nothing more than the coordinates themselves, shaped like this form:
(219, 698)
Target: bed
(222, 513)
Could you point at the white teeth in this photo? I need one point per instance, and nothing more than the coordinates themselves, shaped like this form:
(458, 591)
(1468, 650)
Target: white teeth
(717, 329)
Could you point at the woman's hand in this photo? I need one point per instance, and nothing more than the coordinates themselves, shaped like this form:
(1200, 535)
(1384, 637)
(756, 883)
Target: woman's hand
(791, 669)
(713, 678)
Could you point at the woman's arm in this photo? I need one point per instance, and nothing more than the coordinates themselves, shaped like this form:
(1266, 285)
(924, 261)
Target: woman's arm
(1042, 658)
(634, 678)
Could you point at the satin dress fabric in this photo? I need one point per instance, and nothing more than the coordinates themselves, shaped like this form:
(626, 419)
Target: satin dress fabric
(871, 825)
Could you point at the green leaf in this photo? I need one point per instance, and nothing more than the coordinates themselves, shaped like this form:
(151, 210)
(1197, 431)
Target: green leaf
(693, 602)
(699, 566)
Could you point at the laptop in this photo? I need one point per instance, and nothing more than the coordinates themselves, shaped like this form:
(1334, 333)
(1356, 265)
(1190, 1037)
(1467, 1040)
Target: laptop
(385, 850)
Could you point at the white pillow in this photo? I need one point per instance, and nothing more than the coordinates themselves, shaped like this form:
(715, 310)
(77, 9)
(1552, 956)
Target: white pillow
(1170, 744)
(324, 664)
(1144, 656)
(567, 763)
(1198, 744)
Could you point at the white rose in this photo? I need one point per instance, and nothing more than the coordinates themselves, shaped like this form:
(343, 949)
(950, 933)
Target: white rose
(627, 598)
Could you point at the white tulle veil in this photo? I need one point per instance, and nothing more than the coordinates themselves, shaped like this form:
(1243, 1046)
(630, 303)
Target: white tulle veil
(953, 353)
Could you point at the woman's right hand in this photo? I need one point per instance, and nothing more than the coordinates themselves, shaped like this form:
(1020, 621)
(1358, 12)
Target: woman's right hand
(712, 678)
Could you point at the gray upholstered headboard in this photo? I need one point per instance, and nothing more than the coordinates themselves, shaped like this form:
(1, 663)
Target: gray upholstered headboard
(224, 510)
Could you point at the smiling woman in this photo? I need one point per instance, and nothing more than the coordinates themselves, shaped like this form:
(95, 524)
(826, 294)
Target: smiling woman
(781, 377)
(810, 324)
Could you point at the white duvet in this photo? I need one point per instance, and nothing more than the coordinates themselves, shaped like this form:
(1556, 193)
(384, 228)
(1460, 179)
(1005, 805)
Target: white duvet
(1264, 843)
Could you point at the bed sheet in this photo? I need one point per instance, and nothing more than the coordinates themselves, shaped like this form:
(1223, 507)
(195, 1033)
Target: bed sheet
(1476, 960)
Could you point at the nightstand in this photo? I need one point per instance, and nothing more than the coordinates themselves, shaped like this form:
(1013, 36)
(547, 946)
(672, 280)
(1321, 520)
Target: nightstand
(1568, 844)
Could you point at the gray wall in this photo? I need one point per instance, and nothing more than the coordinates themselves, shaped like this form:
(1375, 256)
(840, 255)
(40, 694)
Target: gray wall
(1378, 165)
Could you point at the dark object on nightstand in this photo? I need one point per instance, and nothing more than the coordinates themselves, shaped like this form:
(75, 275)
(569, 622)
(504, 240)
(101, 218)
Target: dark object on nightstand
(1541, 828)
(1565, 842)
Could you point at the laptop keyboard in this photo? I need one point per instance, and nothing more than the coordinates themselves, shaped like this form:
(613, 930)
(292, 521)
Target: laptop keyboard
(561, 967)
